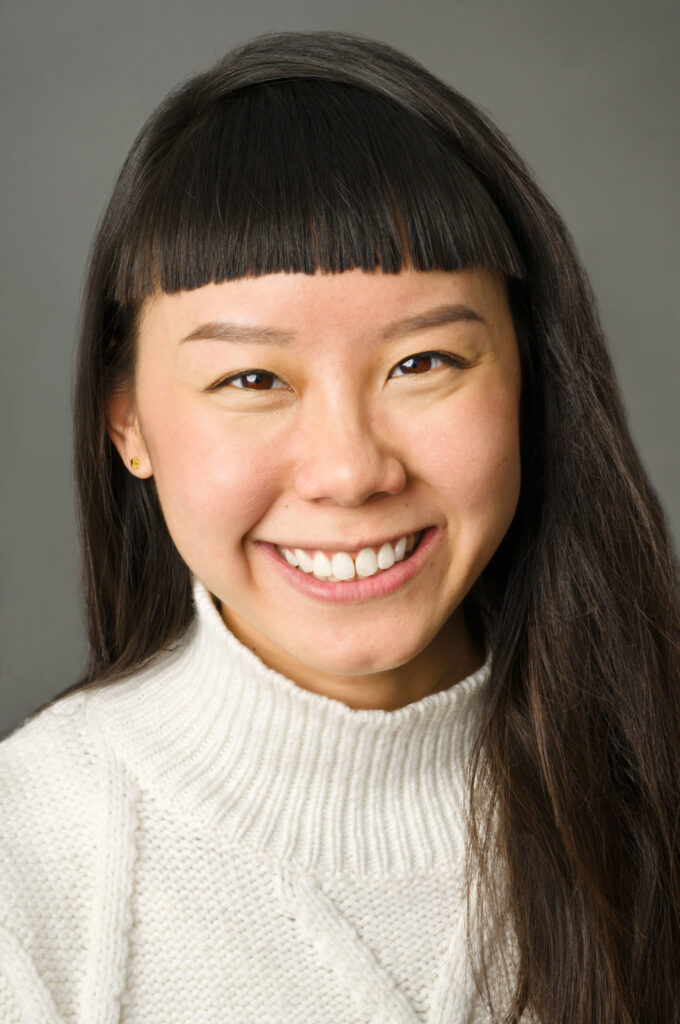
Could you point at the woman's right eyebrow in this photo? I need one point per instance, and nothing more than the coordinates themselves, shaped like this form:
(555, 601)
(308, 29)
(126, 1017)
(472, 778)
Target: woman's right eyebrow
(438, 316)
(223, 330)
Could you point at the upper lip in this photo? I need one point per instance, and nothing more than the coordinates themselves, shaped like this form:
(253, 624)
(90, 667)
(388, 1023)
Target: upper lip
(350, 545)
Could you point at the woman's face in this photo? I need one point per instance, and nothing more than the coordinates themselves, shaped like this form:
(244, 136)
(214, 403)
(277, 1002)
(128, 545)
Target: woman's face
(362, 408)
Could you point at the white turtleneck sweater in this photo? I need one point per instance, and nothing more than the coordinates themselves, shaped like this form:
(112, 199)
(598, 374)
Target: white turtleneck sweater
(207, 841)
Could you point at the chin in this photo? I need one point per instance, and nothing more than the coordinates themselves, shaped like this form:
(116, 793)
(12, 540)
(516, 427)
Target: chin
(359, 660)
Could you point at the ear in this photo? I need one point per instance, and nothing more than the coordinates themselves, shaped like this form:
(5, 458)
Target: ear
(122, 426)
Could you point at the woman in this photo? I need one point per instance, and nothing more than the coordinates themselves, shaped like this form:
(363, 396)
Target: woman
(381, 721)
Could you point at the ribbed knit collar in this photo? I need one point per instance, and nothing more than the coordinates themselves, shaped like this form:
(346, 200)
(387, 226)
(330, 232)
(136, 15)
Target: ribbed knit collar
(213, 733)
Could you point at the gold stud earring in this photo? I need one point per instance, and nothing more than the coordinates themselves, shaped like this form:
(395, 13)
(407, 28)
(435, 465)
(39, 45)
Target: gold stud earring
(134, 462)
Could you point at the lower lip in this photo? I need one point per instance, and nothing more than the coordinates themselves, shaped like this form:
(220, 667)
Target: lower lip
(380, 585)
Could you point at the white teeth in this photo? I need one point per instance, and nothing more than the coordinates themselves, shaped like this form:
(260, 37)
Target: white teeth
(386, 557)
(306, 563)
(321, 565)
(341, 566)
(366, 562)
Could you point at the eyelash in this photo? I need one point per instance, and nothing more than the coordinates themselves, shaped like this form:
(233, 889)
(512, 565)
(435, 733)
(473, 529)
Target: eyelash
(449, 360)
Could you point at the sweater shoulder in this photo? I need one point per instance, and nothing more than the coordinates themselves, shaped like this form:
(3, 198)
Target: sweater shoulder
(49, 786)
(44, 753)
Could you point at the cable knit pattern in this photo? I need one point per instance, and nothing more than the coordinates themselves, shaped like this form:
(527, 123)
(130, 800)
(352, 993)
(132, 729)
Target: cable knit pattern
(111, 920)
(207, 841)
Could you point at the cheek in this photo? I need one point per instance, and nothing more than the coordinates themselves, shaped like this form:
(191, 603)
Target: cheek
(471, 456)
(213, 483)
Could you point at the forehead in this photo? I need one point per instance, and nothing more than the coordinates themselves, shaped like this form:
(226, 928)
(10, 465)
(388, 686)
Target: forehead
(351, 301)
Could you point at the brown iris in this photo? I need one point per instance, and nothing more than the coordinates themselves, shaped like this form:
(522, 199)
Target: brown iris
(416, 364)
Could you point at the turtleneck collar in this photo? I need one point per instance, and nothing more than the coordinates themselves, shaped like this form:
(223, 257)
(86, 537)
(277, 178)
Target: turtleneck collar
(208, 729)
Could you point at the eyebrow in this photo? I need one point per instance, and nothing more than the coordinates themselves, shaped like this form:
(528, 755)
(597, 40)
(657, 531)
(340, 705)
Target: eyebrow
(438, 316)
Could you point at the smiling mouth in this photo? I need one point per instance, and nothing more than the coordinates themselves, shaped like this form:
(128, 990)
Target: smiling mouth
(341, 567)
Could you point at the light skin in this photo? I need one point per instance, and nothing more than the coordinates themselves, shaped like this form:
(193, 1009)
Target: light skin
(348, 437)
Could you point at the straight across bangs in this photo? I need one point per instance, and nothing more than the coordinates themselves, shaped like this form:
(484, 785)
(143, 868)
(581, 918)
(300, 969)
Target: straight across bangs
(300, 175)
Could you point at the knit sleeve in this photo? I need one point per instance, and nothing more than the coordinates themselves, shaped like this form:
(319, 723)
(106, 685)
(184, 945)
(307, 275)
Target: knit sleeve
(23, 996)
(48, 815)
(10, 1011)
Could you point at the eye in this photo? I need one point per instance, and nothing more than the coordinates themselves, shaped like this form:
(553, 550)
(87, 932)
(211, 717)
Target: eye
(265, 380)
(423, 361)
(254, 380)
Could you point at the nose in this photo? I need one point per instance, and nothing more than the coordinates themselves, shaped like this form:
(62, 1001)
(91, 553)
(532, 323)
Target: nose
(341, 458)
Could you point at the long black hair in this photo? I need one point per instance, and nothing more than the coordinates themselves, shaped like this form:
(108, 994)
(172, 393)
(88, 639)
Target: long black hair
(301, 151)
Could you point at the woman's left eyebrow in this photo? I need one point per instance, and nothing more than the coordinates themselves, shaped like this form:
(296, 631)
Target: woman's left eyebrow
(438, 316)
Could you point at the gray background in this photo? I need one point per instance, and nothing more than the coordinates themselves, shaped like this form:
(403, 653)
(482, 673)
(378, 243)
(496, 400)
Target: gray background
(587, 91)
